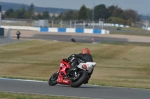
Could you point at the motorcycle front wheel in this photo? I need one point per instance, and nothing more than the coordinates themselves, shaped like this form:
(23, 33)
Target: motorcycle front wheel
(82, 77)
(53, 79)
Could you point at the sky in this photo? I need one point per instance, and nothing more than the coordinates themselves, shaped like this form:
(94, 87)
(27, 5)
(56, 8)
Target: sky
(141, 6)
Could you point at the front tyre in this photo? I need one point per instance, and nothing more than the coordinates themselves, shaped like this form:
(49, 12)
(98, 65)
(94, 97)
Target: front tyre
(53, 79)
(82, 77)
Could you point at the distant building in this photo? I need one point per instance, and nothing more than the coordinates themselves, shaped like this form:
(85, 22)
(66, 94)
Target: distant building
(146, 23)
(36, 13)
(3, 12)
(54, 14)
(50, 14)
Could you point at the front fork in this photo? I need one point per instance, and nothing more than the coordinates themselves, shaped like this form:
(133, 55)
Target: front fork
(63, 79)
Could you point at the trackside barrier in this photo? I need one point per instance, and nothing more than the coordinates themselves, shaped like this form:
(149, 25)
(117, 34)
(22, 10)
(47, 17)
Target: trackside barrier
(146, 28)
(107, 31)
(103, 31)
(70, 30)
(79, 30)
(97, 31)
(61, 30)
(52, 30)
(75, 30)
(88, 31)
(44, 29)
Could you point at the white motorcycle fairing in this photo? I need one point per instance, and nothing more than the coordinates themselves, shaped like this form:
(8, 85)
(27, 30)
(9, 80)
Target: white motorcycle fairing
(88, 66)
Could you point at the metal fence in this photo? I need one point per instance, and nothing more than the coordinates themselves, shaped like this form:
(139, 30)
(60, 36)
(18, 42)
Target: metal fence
(60, 23)
(77, 24)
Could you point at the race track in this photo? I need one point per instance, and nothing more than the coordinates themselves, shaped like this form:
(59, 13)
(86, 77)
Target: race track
(81, 37)
(94, 92)
(86, 91)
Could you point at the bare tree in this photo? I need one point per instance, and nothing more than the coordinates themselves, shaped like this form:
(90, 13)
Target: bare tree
(131, 15)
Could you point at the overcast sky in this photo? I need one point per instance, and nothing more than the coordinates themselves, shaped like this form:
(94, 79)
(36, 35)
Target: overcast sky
(141, 6)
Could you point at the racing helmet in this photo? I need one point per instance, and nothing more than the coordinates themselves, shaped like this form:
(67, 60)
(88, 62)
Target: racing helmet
(85, 51)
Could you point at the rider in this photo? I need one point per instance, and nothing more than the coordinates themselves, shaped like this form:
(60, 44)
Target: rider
(18, 34)
(84, 56)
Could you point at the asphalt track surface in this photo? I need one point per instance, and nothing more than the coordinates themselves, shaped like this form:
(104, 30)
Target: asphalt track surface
(86, 37)
(75, 38)
(85, 91)
(83, 38)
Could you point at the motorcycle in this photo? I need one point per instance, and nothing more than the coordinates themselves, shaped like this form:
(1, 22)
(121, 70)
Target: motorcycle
(74, 78)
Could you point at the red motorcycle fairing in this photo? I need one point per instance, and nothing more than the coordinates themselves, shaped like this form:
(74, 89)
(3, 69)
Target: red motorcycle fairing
(62, 77)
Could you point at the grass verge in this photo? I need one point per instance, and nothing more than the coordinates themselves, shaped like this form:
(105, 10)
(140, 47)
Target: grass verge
(123, 65)
(6, 95)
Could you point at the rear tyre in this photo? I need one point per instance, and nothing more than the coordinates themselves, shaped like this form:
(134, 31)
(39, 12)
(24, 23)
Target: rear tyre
(83, 75)
(53, 79)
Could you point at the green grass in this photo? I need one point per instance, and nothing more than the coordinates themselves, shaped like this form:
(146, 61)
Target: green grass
(118, 64)
(6, 95)
(137, 31)
(132, 34)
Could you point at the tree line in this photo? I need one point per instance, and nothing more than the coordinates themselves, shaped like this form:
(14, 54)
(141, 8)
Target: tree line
(26, 13)
(110, 14)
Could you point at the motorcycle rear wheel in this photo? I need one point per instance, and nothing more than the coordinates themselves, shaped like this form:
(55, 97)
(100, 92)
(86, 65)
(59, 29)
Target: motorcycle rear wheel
(53, 79)
(83, 75)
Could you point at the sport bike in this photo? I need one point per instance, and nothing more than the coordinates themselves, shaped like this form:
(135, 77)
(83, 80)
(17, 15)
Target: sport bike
(75, 77)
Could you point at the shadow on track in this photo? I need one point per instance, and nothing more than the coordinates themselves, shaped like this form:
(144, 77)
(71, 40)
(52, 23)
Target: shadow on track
(81, 87)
